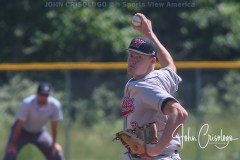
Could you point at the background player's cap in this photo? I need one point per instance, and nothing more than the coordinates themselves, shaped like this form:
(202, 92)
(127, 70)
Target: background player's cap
(44, 88)
(143, 46)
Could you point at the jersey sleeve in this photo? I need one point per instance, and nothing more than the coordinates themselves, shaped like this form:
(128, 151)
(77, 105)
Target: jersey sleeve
(155, 98)
(169, 79)
(57, 111)
(23, 111)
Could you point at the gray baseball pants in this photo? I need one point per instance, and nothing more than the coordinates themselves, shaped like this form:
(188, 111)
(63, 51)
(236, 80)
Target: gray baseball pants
(42, 140)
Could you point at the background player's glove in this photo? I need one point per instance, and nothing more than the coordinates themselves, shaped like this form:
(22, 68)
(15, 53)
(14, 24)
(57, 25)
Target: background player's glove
(136, 140)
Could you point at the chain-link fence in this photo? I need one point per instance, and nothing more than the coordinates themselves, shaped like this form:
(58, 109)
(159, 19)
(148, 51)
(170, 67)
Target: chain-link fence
(91, 101)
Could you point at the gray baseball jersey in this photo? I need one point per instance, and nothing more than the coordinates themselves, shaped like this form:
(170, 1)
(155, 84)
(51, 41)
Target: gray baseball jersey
(36, 117)
(143, 100)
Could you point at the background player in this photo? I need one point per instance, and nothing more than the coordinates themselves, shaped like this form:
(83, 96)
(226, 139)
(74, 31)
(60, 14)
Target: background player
(34, 112)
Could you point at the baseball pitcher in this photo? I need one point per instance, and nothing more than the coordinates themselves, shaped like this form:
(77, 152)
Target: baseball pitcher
(151, 115)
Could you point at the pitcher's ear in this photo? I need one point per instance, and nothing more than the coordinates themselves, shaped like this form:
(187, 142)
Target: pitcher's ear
(154, 59)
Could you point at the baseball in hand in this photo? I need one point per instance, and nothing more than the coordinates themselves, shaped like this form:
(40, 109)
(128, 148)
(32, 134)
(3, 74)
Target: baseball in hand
(136, 21)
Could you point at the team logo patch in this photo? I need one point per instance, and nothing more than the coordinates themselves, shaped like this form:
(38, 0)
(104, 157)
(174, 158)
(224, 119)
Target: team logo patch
(134, 124)
(127, 106)
(46, 88)
(137, 43)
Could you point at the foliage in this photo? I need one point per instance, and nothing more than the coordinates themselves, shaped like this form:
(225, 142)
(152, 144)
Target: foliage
(223, 98)
(64, 34)
(30, 32)
(95, 143)
(12, 94)
(229, 89)
(210, 104)
(103, 105)
(212, 30)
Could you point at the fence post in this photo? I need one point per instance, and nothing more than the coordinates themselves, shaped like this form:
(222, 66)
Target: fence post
(198, 92)
(68, 117)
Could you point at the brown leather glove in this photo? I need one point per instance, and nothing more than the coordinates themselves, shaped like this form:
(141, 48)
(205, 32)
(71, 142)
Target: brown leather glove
(136, 140)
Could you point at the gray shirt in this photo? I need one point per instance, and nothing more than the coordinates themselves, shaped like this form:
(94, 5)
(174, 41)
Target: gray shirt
(36, 117)
(143, 99)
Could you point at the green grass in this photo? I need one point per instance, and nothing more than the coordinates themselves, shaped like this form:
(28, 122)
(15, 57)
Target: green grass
(30, 152)
(96, 143)
(88, 144)
(228, 125)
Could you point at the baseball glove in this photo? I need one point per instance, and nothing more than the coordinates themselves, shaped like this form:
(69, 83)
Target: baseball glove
(136, 140)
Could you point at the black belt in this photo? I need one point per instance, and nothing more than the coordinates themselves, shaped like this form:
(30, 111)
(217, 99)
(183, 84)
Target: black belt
(32, 133)
(137, 156)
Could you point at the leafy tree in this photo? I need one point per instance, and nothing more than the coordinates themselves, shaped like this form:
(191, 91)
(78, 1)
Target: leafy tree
(103, 105)
(230, 88)
(12, 94)
(223, 97)
(211, 31)
(32, 32)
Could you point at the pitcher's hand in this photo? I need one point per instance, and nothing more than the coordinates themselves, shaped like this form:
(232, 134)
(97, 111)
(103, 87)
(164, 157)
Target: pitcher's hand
(146, 26)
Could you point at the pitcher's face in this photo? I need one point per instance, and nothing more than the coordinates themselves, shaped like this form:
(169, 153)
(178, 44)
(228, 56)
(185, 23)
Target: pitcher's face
(139, 65)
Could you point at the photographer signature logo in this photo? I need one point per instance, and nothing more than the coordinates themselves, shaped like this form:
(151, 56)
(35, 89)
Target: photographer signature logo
(204, 138)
